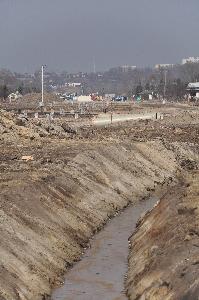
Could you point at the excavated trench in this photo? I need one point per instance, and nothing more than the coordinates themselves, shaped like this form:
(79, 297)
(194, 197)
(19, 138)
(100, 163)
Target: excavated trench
(49, 213)
(101, 272)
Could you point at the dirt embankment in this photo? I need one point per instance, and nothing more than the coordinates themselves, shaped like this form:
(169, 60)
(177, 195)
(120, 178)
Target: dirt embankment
(48, 214)
(164, 254)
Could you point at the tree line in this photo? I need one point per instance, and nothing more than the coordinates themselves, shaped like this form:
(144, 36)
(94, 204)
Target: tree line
(116, 80)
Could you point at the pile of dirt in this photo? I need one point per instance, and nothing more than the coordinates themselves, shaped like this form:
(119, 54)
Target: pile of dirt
(12, 129)
(19, 128)
(58, 129)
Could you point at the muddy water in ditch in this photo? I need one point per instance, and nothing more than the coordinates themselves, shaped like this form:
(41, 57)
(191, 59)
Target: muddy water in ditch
(101, 272)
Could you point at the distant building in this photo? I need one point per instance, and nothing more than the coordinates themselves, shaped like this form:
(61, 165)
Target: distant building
(190, 60)
(163, 66)
(73, 84)
(193, 85)
(127, 68)
(14, 96)
(193, 90)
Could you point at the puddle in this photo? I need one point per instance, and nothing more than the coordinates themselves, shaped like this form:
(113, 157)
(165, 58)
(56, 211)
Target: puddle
(101, 272)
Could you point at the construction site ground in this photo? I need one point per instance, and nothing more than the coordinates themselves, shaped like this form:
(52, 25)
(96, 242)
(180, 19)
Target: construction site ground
(62, 180)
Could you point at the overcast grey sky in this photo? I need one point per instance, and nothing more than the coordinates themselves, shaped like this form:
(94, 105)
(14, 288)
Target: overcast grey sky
(67, 34)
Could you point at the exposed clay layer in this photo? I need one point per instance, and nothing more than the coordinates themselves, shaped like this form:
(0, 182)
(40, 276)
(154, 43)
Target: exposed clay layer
(164, 255)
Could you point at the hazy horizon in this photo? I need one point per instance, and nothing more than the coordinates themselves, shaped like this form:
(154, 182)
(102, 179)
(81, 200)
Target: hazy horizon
(69, 35)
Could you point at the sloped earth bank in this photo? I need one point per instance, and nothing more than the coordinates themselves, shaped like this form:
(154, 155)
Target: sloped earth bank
(48, 213)
(164, 254)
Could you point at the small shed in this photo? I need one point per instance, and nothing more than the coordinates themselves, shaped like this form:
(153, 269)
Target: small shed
(193, 90)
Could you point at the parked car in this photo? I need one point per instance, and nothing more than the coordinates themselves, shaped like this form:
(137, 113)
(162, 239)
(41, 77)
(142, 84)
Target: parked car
(120, 99)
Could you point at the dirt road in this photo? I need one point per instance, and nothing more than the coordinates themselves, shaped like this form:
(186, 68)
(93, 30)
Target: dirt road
(105, 119)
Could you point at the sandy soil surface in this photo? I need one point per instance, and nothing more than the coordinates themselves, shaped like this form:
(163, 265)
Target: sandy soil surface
(61, 183)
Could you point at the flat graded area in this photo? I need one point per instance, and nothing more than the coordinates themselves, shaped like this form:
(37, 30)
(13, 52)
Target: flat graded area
(61, 182)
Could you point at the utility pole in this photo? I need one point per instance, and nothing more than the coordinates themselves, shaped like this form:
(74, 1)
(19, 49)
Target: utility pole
(41, 103)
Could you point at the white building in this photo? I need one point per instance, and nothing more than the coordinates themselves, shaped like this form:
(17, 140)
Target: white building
(193, 90)
(127, 68)
(163, 66)
(190, 60)
(193, 85)
(73, 84)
